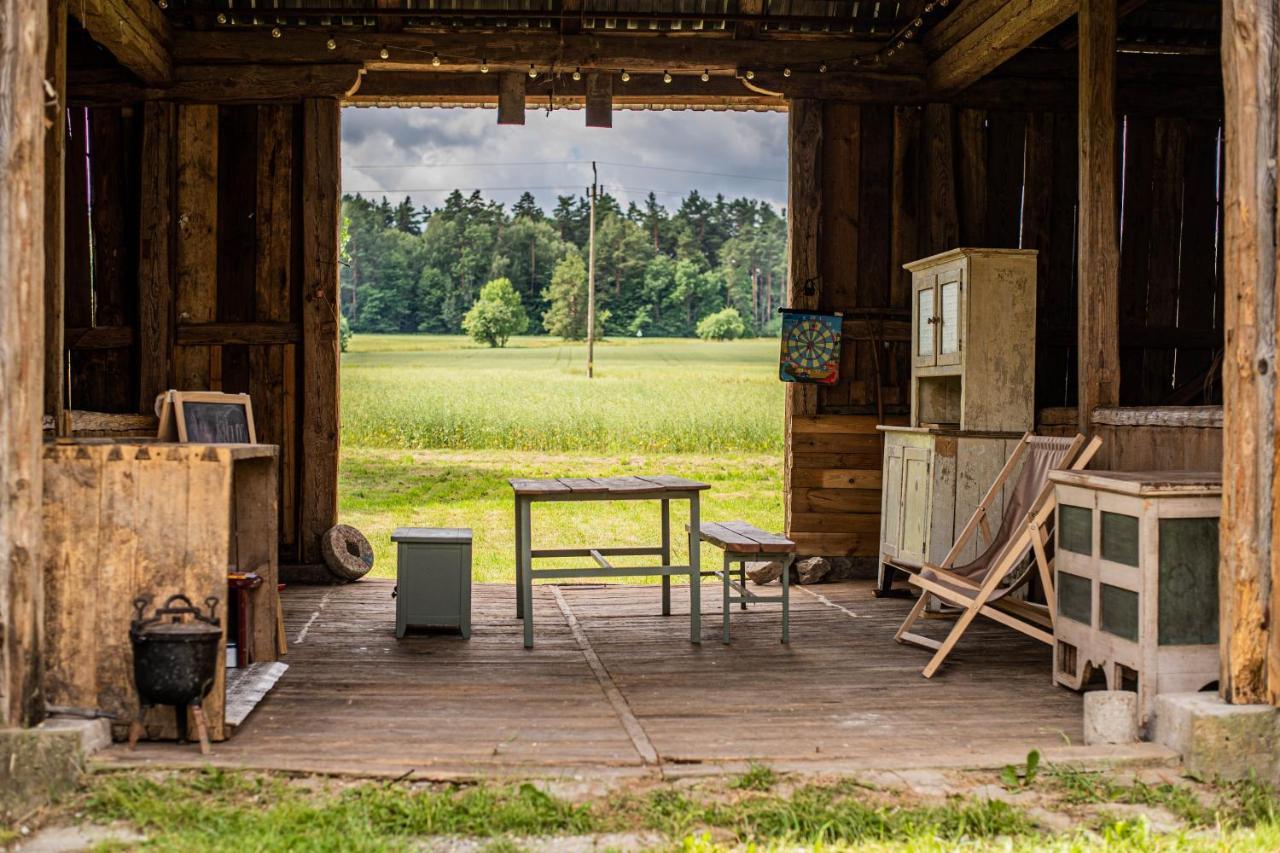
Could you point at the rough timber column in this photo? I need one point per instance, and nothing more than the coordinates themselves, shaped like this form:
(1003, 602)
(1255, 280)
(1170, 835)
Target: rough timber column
(1099, 347)
(1249, 597)
(321, 177)
(24, 29)
(804, 218)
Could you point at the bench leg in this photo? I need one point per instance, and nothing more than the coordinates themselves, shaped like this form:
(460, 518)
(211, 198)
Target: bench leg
(724, 583)
(526, 568)
(695, 571)
(742, 579)
(786, 598)
(666, 557)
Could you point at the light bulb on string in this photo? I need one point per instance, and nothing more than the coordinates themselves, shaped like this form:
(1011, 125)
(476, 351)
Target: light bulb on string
(577, 74)
(163, 4)
(222, 19)
(331, 44)
(533, 72)
(484, 66)
(435, 59)
(706, 75)
(786, 72)
(666, 77)
(750, 75)
(384, 53)
(626, 78)
(276, 33)
(822, 69)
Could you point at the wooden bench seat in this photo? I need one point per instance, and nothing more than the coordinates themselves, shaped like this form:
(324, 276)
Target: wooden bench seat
(743, 543)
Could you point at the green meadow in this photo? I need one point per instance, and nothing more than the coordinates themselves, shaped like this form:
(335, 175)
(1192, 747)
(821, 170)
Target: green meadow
(432, 427)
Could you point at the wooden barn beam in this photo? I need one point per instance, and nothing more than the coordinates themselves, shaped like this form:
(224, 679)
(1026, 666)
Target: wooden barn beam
(804, 257)
(24, 30)
(1005, 28)
(321, 191)
(1098, 376)
(221, 84)
(135, 32)
(514, 51)
(1249, 570)
(599, 100)
(55, 145)
(511, 94)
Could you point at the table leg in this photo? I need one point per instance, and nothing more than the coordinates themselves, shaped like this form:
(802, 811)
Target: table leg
(666, 557)
(724, 585)
(786, 598)
(695, 572)
(519, 576)
(526, 569)
(742, 579)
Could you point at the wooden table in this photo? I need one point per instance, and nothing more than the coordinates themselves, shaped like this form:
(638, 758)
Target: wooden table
(659, 488)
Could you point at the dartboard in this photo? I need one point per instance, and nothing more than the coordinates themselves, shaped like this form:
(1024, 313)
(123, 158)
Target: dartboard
(810, 348)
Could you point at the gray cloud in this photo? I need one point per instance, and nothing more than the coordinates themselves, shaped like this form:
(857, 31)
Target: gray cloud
(467, 149)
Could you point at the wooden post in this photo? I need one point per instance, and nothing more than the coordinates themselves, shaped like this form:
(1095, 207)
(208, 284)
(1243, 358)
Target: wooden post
(1098, 379)
(321, 175)
(55, 145)
(155, 256)
(511, 97)
(196, 247)
(599, 100)
(23, 39)
(804, 255)
(1248, 571)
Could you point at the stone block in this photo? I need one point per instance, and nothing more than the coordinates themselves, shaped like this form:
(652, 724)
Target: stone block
(1110, 716)
(36, 767)
(1219, 740)
(94, 734)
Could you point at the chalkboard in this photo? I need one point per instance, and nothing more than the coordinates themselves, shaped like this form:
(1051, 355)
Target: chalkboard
(212, 418)
(1075, 597)
(1075, 529)
(1118, 611)
(1120, 538)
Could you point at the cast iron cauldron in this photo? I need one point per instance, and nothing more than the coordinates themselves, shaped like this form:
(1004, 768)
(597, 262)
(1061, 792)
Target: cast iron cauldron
(175, 662)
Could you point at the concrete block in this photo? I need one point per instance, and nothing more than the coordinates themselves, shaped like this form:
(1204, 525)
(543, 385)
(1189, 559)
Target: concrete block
(94, 735)
(1110, 716)
(36, 767)
(1219, 740)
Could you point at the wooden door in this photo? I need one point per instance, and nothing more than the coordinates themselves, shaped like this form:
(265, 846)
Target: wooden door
(917, 496)
(949, 316)
(924, 324)
(891, 501)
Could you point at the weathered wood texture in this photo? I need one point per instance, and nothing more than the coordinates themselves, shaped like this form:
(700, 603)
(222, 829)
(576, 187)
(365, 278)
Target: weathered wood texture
(488, 710)
(24, 27)
(1002, 30)
(321, 176)
(1250, 638)
(55, 148)
(1098, 325)
(136, 33)
(198, 283)
(126, 520)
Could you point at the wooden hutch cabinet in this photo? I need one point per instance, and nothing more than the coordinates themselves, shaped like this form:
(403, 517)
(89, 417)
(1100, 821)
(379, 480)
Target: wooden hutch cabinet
(972, 397)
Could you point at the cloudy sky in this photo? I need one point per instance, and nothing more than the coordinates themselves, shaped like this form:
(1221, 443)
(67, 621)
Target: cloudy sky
(424, 153)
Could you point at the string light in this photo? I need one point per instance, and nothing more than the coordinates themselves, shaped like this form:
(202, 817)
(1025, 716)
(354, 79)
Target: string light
(577, 74)
(384, 53)
(276, 33)
(163, 4)
(435, 59)
(786, 72)
(331, 44)
(751, 75)
(706, 75)
(222, 19)
(626, 78)
(822, 69)
(533, 72)
(666, 77)
(484, 66)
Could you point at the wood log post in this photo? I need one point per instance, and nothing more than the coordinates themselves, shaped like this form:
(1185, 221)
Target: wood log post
(155, 253)
(599, 100)
(321, 174)
(804, 257)
(511, 91)
(23, 41)
(55, 146)
(1098, 379)
(1249, 594)
(196, 246)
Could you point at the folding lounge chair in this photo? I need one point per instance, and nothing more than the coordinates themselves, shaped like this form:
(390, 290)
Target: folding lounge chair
(984, 585)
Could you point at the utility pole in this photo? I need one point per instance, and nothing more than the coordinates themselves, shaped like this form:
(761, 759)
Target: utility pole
(591, 278)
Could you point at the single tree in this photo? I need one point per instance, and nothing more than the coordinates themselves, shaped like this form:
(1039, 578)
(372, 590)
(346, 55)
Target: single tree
(497, 315)
(566, 315)
(723, 325)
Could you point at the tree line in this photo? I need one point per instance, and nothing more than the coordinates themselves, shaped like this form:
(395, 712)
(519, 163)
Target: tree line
(658, 272)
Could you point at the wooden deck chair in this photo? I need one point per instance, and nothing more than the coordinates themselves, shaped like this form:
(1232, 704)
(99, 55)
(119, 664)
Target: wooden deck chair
(983, 586)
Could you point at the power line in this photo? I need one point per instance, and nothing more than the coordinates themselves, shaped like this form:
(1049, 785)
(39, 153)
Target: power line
(412, 190)
(567, 163)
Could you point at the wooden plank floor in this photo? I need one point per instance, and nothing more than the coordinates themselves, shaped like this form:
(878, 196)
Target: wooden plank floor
(842, 695)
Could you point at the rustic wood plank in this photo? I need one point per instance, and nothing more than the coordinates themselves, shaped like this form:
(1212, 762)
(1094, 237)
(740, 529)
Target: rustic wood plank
(1006, 147)
(1200, 281)
(672, 482)
(155, 254)
(55, 176)
(135, 32)
(522, 486)
(1007, 28)
(196, 247)
(1135, 251)
(770, 543)
(942, 230)
(585, 485)
(237, 234)
(321, 171)
(511, 97)
(840, 228)
(1164, 272)
(1099, 357)
(728, 538)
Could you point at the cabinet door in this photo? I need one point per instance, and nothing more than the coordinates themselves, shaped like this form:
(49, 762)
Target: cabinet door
(891, 501)
(917, 479)
(950, 316)
(924, 323)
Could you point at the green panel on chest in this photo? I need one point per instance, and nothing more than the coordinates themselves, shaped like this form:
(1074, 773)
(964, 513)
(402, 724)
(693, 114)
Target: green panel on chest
(1188, 581)
(1118, 611)
(1075, 597)
(1075, 529)
(1120, 538)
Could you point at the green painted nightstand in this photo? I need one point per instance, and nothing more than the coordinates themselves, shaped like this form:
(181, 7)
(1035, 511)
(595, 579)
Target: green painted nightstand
(433, 578)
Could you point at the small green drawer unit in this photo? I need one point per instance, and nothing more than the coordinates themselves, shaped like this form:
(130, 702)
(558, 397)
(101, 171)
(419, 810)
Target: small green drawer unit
(433, 578)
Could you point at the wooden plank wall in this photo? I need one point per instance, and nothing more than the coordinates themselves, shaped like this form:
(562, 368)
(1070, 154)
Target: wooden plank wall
(185, 269)
(900, 183)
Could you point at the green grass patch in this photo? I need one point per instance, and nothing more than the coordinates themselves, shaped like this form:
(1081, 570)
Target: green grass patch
(648, 396)
(1243, 804)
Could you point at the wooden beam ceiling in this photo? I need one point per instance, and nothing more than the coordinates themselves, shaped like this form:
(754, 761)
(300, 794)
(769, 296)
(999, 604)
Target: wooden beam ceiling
(1000, 29)
(134, 31)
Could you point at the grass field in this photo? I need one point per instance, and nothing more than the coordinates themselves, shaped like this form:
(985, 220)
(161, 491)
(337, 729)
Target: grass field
(433, 426)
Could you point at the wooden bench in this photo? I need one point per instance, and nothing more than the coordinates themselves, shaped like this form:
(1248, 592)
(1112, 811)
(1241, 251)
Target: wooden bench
(743, 543)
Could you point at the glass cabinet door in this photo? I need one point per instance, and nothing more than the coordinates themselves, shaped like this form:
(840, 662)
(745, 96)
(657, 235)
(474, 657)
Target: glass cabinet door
(949, 292)
(926, 325)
